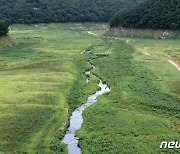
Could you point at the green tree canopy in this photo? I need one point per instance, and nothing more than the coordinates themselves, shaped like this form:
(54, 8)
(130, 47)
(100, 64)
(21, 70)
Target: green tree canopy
(46, 11)
(4, 27)
(162, 14)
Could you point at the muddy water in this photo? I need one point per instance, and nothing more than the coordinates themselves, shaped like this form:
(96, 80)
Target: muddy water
(76, 119)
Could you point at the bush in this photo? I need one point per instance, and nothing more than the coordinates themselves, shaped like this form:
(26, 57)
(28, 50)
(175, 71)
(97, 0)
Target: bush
(4, 27)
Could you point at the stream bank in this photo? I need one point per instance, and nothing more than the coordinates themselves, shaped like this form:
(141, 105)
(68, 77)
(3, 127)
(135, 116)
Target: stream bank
(76, 119)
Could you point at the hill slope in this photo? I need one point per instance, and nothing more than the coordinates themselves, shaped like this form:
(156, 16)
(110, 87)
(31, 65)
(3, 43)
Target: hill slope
(150, 14)
(38, 11)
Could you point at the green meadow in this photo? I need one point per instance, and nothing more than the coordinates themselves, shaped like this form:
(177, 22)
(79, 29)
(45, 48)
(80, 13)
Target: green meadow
(42, 80)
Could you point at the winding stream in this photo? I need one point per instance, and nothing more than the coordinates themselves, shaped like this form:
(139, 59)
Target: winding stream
(76, 119)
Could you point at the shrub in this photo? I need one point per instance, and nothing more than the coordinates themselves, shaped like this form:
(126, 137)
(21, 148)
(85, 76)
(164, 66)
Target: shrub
(4, 27)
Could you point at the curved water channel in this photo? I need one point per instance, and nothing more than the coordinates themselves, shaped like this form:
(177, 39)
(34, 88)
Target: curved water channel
(76, 119)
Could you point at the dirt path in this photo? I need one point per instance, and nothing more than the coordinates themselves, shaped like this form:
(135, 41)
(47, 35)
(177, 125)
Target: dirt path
(170, 61)
(115, 38)
(105, 37)
(173, 63)
(144, 53)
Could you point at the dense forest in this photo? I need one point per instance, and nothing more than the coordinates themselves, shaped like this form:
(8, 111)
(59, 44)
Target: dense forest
(46, 11)
(153, 14)
(4, 28)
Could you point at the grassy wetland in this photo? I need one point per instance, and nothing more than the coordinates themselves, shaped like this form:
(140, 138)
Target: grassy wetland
(42, 80)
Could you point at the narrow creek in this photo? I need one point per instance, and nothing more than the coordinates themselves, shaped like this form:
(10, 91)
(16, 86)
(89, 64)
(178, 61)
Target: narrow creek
(76, 119)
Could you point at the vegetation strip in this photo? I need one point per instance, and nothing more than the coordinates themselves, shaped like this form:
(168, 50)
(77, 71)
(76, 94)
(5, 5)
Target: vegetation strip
(76, 119)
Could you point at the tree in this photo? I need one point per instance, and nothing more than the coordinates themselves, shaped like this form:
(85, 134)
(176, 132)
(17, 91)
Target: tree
(47, 11)
(152, 14)
(4, 27)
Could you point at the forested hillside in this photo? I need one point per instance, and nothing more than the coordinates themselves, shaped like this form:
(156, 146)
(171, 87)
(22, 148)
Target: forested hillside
(4, 28)
(163, 14)
(45, 11)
